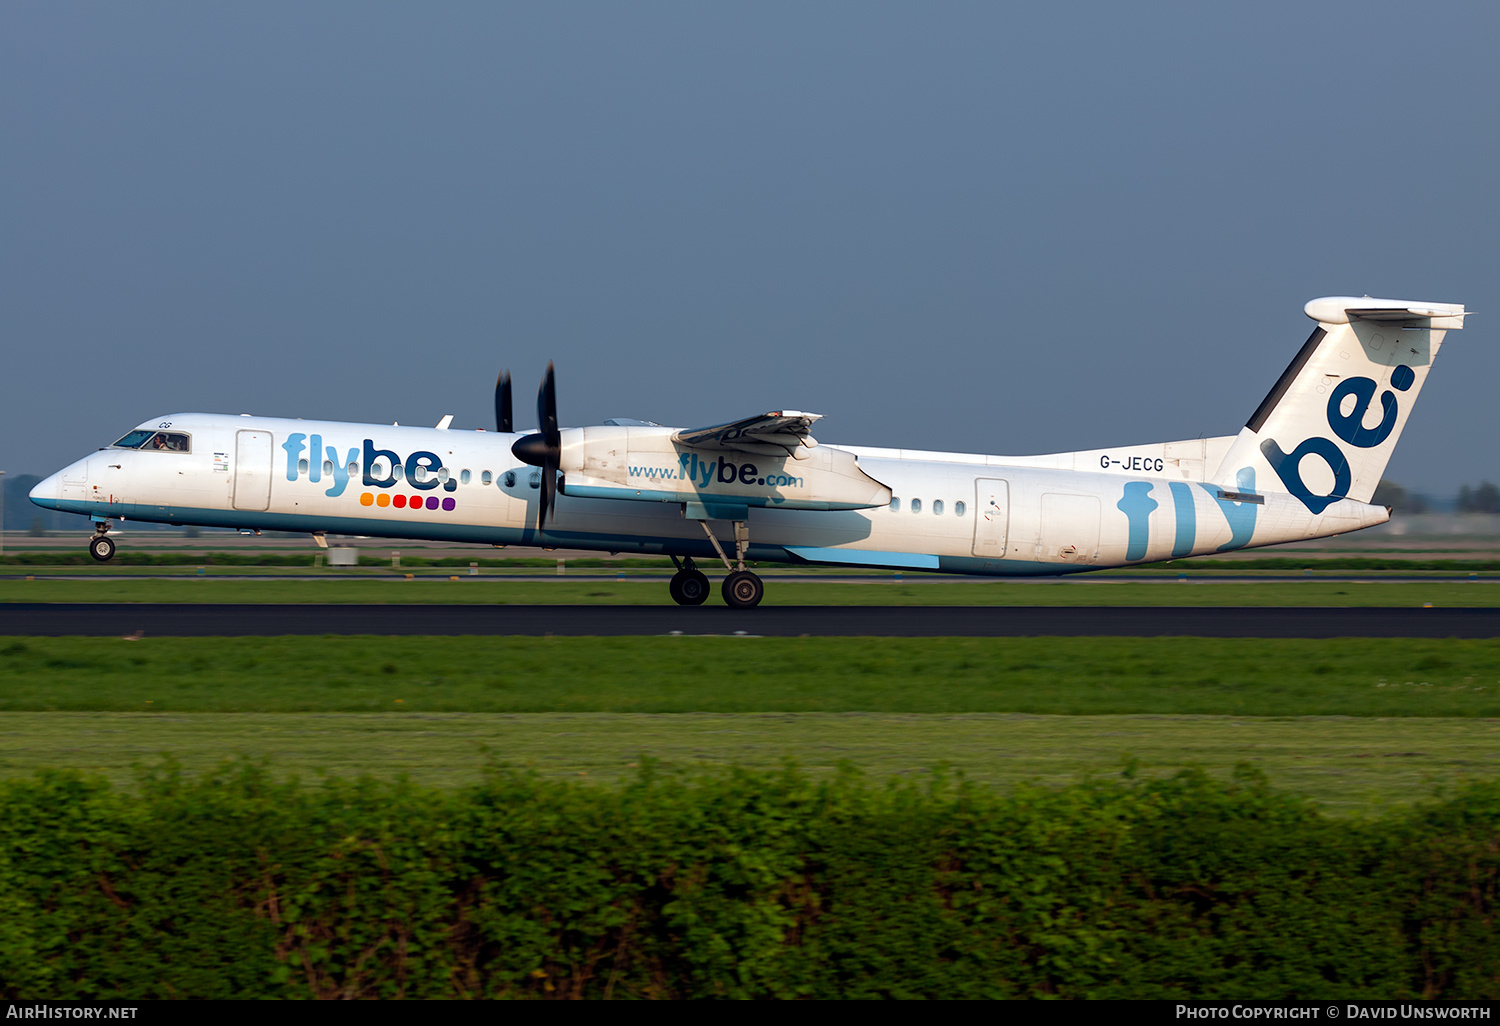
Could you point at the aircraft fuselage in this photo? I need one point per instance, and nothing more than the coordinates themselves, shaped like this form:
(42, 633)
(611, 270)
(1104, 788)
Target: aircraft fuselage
(949, 512)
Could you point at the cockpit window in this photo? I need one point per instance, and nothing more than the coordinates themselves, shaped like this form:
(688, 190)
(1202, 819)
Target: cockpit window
(134, 440)
(169, 441)
(161, 441)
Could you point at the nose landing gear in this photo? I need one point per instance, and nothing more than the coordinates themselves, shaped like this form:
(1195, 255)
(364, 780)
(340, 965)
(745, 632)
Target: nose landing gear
(100, 545)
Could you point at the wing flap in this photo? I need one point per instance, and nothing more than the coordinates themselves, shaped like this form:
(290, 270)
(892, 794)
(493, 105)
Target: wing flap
(782, 432)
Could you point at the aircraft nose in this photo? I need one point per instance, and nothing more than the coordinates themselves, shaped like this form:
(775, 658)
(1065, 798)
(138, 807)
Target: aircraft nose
(48, 491)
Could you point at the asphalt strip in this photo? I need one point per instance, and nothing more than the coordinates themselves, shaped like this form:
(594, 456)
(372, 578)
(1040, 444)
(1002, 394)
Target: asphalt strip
(130, 620)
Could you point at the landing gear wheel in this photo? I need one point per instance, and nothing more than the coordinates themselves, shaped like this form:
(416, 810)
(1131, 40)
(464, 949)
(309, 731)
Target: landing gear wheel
(101, 548)
(743, 590)
(689, 588)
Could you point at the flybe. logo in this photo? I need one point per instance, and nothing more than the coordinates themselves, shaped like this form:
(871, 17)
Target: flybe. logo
(1347, 426)
(378, 468)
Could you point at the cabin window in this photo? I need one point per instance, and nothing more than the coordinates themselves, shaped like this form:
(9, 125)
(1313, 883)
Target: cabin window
(895, 504)
(301, 466)
(510, 479)
(484, 478)
(916, 505)
(328, 468)
(937, 507)
(958, 508)
(443, 474)
(398, 471)
(463, 477)
(536, 479)
(353, 469)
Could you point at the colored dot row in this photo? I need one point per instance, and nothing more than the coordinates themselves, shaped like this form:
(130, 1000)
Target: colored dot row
(402, 502)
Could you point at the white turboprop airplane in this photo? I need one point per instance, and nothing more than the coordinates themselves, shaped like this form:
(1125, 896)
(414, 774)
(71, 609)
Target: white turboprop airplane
(1304, 466)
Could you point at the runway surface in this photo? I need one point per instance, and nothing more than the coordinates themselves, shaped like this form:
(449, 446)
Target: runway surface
(241, 620)
(447, 573)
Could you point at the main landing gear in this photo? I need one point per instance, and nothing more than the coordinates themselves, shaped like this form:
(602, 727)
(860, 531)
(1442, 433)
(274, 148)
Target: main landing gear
(689, 586)
(741, 589)
(100, 545)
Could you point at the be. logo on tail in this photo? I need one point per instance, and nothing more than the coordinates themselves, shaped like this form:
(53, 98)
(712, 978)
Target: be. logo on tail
(1348, 427)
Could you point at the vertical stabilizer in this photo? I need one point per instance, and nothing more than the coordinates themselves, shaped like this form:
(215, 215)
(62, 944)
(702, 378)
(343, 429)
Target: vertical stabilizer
(1327, 429)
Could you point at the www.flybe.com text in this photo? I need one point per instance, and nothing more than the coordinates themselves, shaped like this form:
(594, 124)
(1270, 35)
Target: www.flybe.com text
(703, 473)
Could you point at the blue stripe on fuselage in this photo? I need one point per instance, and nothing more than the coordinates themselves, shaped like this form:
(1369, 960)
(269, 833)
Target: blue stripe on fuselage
(479, 534)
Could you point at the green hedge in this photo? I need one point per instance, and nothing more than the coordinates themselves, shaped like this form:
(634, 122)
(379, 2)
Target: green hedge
(742, 885)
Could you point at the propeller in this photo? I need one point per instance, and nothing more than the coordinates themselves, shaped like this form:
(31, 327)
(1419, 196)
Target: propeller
(544, 448)
(504, 423)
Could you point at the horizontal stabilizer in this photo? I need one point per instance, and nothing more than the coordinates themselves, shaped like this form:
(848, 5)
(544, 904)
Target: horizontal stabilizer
(1344, 309)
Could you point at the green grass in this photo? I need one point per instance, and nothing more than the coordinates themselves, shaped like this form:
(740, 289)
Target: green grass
(779, 591)
(1072, 676)
(1351, 766)
(1356, 724)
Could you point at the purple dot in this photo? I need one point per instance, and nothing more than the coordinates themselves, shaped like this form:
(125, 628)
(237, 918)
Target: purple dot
(449, 504)
(432, 502)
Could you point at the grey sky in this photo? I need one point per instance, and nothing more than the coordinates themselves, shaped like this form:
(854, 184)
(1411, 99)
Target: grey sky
(981, 227)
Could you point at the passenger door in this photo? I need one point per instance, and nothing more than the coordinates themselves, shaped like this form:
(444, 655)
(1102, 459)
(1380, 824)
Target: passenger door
(1070, 528)
(991, 517)
(252, 470)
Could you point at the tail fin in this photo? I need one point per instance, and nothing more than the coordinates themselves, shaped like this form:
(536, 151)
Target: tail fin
(1327, 429)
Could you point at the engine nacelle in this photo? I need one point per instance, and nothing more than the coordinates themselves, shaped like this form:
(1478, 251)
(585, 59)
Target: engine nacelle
(643, 463)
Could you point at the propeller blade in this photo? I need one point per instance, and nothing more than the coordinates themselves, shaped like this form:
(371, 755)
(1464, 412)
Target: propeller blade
(546, 409)
(548, 497)
(504, 422)
(544, 448)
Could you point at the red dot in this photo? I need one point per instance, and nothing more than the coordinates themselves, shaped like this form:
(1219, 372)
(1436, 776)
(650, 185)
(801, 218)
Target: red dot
(416, 502)
(398, 501)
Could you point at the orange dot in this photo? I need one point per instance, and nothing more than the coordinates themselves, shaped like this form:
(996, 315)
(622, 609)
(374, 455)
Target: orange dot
(382, 499)
(367, 499)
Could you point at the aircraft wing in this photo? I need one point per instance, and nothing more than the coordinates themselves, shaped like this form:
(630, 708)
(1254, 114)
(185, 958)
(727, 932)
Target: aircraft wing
(783, 433)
